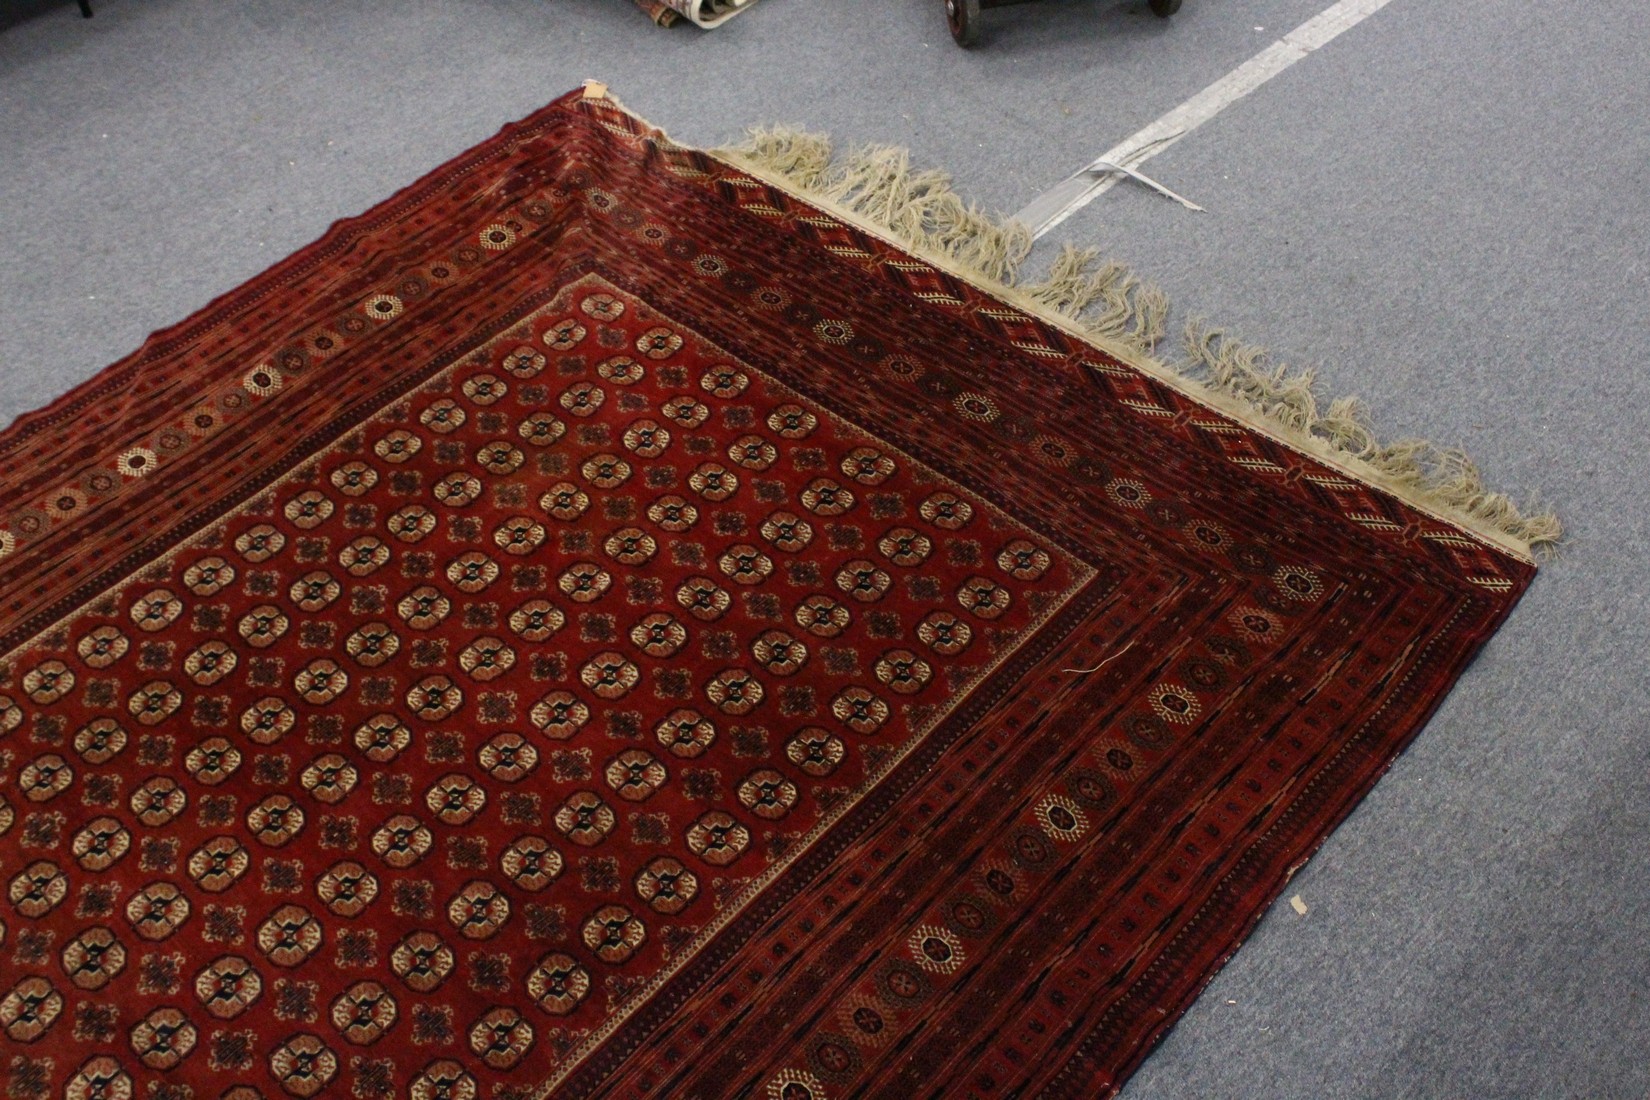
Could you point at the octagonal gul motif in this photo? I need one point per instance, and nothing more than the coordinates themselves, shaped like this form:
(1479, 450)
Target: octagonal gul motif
(548, 672)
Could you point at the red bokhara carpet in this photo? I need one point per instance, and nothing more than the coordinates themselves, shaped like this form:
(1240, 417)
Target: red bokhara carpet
(599, 625)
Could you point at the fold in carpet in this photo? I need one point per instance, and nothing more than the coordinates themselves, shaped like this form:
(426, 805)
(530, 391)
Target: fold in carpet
(616, 620)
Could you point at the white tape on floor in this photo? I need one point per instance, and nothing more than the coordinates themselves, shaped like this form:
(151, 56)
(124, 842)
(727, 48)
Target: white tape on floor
(1082, 187)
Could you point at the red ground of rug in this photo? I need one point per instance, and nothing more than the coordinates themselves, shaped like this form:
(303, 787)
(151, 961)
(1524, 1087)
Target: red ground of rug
(597, 626)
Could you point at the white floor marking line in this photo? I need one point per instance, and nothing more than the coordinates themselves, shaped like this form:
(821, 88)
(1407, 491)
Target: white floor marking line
(1081, 188)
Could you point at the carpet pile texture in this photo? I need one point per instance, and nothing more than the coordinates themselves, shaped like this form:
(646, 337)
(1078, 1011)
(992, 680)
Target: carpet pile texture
(616, 620)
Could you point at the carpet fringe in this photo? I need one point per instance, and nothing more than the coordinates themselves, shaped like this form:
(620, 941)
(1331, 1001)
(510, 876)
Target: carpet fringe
(1103, 302)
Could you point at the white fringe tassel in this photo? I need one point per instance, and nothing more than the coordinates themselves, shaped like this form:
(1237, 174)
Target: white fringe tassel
(1103, 302)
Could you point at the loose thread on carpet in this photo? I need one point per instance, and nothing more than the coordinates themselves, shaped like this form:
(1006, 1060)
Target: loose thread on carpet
(1102, 664)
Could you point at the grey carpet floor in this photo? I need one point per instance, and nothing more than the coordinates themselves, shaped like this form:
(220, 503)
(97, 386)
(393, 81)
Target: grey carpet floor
(1447, 210)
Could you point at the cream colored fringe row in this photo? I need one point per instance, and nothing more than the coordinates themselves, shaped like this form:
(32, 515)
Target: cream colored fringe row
(877, 189)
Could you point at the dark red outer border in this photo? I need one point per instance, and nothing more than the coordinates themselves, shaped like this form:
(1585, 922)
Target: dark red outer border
(120, 374)
(1274, 889)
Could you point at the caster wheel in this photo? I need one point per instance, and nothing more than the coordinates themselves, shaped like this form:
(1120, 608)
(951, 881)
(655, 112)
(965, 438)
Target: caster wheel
(1165, 8)
(964, 18)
